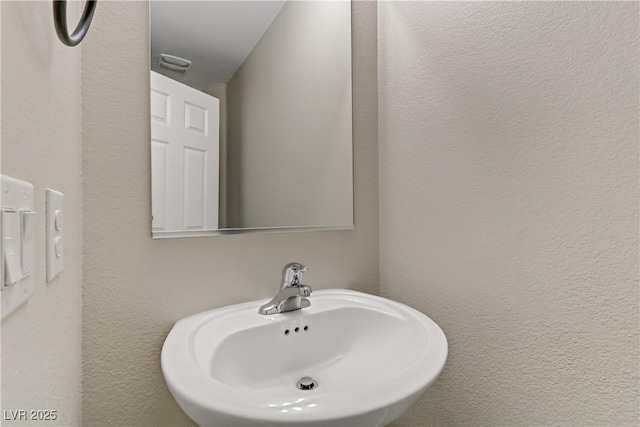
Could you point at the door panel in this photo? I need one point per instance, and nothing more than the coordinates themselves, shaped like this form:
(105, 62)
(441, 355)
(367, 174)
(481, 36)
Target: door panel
(184, 155)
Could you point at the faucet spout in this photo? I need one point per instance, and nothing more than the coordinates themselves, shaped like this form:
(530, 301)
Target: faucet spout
(293, 295)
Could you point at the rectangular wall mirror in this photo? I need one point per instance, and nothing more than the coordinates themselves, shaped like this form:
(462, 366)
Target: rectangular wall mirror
(251, 116)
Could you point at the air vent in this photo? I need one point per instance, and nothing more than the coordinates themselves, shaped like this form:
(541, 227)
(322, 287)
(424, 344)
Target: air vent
(174, 63)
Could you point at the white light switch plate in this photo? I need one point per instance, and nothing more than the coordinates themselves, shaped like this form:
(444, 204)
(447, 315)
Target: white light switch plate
(17, 249)
(55, 229)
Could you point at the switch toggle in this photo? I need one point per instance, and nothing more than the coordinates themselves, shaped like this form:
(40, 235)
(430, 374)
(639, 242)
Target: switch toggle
(11, 252)
(28, 241)
(12, 270)
(58, 219)
(58, 245)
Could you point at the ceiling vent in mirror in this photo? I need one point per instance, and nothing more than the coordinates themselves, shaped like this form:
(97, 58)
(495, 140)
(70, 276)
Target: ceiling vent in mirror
(174, 63)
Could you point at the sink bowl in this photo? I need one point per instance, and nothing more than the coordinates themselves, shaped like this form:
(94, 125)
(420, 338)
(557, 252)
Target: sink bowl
(370, 359)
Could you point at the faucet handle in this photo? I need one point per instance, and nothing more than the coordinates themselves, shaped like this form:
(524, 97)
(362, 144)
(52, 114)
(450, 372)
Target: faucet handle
(292, 274)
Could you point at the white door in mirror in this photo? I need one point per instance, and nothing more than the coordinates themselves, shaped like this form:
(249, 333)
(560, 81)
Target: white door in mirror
(55, 241)
(17, 243)
(185, 140)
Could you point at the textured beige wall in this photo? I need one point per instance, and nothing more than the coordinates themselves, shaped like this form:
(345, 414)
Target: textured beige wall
(509, 204)
(41, 341)
(289, 130)
(135, 288)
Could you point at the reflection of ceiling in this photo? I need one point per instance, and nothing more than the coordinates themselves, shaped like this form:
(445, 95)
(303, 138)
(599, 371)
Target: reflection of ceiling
(216, 36)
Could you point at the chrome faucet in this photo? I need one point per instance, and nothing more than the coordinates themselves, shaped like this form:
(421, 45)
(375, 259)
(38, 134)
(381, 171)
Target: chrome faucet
(293, 295)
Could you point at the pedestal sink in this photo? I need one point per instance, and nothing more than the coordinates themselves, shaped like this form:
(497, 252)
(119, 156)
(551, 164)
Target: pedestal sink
(350, 359)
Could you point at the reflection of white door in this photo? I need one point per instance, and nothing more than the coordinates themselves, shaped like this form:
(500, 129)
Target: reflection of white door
(185, 141)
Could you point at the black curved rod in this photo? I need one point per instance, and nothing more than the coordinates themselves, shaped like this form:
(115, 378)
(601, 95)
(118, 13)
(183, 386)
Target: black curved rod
(60, 20)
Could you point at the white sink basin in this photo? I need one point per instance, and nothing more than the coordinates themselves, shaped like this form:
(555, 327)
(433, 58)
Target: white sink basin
(371, 357)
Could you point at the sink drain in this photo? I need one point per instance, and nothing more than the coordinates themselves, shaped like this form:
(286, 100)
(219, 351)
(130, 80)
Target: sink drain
(307, 383)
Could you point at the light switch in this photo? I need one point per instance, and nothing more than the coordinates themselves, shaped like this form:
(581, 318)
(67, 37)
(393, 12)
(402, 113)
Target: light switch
(17, 221)
(55, 240)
